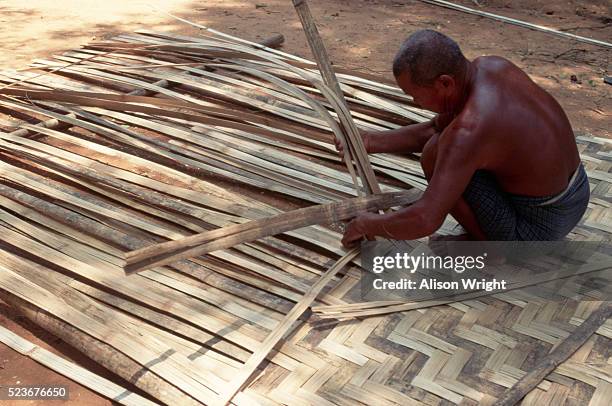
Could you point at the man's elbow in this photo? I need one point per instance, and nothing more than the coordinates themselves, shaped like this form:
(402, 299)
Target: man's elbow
(434, 224)
(430, 221)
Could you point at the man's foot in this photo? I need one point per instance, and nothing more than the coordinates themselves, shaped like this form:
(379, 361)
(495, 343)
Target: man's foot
(436, 244)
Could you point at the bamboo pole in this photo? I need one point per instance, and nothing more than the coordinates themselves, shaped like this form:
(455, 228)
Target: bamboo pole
(520, 23)
(351, 138)
(200, 244)
(72, 371)
(101, 353)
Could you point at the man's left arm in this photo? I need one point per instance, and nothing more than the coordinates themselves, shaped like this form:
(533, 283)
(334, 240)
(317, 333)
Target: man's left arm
(457, 160)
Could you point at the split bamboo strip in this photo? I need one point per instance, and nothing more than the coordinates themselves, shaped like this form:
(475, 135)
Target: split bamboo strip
(193, 157)
(213, 221)
(295, 284)
(70, 370)
(150, 196)
(218, 193)
(261, 46)
(166, 323)
(31, 95)
(293, 116)
(54, 123)
(212, 318)
(208, 86)
(380, 308)
(50, 156)
(46, 73)
(211, 368)
(377, 81)
(195, 40)
(81, 97)
(121, 106)
(269, 259)
(282, 329)
(259, 316)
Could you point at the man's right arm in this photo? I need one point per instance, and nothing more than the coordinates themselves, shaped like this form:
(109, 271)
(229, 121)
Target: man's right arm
(411, 138)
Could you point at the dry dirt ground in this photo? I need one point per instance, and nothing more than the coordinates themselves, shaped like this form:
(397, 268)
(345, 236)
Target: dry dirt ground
(360, 34)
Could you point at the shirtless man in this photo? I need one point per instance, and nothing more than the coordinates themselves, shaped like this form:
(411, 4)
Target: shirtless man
(500, 157)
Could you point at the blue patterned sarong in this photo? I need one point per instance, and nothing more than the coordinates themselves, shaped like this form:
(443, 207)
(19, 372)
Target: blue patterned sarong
(506, 217)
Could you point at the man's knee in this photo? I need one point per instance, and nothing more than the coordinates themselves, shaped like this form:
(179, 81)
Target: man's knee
(428, 167)
(428, 157)
(491, 207)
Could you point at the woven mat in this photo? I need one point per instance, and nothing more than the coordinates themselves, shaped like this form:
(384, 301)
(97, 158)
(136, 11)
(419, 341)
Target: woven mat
(196, 323)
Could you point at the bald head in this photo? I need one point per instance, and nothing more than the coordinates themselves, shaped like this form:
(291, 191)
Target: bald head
(427, 54)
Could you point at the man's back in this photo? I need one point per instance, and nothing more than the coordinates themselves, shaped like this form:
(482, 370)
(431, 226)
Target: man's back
(525, 137)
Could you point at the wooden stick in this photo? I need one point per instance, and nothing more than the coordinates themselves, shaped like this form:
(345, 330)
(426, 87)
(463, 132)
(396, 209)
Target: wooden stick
(520, 23)
(189, 247)
(563, 351)
(283, 328)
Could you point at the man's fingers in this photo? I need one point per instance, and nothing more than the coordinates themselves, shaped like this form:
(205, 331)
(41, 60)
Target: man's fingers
(338, 143)
(339, 148)
(351, 236)
(350, 243)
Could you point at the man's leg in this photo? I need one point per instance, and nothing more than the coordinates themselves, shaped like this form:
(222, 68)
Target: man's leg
(461, 212)
(491, 206)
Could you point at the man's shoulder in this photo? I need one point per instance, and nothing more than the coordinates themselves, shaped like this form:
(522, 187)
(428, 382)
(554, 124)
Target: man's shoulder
(473, 122)
(491, 90)
(498, 73)
(493, 62)
(468, 137)
(463, 131)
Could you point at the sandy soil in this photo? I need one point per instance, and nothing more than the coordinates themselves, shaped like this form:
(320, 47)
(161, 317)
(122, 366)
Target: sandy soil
(361, 34)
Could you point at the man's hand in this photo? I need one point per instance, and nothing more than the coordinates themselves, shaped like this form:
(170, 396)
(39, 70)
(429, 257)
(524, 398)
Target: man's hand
(357, 229)
(366, 143)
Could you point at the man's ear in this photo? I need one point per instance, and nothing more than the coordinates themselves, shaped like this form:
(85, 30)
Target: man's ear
(446, 81)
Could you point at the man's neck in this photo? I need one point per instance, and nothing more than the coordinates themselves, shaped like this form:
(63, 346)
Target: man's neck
(464, 86)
